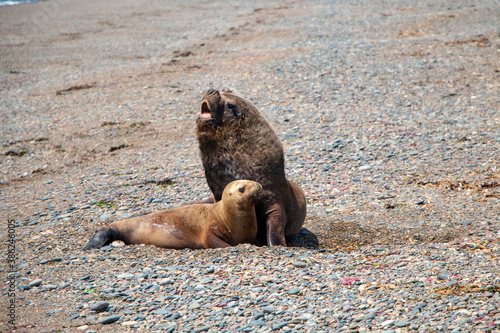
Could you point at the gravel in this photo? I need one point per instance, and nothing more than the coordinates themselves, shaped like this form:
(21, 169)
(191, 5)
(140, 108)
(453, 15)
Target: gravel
(389, 117)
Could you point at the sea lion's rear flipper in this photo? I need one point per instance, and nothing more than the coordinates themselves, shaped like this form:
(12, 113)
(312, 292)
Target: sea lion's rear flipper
(101, 238)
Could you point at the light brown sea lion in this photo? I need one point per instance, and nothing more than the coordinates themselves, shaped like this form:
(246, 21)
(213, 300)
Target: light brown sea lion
(230, 221)
(236, 142)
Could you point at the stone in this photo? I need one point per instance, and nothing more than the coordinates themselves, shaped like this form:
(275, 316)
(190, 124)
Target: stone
(109, 319)
(35, 283)
(99, 306)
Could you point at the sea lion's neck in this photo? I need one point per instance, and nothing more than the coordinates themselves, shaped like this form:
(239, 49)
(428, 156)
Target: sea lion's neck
(240, 220)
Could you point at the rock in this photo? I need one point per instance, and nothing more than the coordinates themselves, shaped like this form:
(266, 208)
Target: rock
(125, 276)
(63, 285)
(35, 283)
(462, 321)
(370, 316)
(279, 325)
(99, 306)
(268, 309)
(256, 322)
(387, 323)
(161, 312)
(165, 281)
(109, 319)
(299, 264)
(194, 305)
(118, 243)
(442, 276)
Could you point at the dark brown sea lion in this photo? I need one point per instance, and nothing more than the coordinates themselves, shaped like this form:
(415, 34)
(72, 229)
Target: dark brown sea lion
(230, 221)
(236, 142)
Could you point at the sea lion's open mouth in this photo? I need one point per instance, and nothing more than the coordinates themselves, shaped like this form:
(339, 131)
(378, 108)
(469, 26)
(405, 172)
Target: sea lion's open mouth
(205, 111)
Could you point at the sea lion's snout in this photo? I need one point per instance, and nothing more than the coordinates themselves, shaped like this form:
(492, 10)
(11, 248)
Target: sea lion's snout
(255, 191)
(210, 107)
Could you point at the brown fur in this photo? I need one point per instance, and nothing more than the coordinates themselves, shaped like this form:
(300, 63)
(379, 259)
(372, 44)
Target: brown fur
(230, 221)
(236, 142)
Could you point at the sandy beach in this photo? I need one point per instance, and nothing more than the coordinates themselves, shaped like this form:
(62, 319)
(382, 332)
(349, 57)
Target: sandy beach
(389, 114)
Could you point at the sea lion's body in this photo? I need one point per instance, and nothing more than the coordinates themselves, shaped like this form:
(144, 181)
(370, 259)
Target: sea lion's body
(236, 142)
(228, 222)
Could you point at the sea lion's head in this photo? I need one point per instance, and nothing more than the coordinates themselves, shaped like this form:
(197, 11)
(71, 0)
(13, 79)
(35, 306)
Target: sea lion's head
(219, 110)
(245, 193)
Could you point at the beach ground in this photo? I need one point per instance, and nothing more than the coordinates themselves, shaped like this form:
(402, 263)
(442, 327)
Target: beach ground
(389, 115)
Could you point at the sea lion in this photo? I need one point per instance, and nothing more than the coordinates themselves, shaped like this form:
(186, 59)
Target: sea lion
(236, 142)
(230, 221)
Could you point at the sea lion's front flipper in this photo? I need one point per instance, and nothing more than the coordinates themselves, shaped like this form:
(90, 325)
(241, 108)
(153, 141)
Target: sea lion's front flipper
(274, 226)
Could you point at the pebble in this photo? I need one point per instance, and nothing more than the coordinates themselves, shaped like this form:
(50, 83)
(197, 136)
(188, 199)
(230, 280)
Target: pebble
(165, 281)
(370, 316)
(279, 326)
(268, 309)
(299, 264)
(35, 283)
(194, 306)
(109, 319)
(462, 321)
(99, 306)
(365, 167)
(161, 311)
(126, 276)
(256, 322)
(389, 322)
(117, 243)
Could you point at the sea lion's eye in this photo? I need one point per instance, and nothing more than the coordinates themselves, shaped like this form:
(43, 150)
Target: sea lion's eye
(231, 106)
(242, 189)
